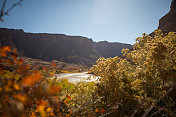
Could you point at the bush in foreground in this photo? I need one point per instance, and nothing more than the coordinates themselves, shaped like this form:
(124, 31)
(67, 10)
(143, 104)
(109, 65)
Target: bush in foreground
(27, 91)
(142, 81)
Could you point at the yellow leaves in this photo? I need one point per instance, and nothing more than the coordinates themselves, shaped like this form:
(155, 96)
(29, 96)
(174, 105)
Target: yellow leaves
(67, 100)
(49, 109)
(41, 108)
(16, 86)
(125, 51)
(52, 73)
(10, 86)
(136, 85)
(33, 114)
(32, 79)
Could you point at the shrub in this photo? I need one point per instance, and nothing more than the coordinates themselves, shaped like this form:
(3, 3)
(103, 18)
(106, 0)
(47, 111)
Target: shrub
(28, 91)
(140, 81)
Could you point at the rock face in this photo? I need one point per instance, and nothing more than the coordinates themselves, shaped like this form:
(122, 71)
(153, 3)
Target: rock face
(168, 22)
(73, 49)
(109, 49)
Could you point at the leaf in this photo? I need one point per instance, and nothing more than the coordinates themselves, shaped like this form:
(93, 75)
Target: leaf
(68, 96)
(102, 110)
(24, 69)
(96, 110)
(20, 97)
(20, 62)
(32, 79)
(49, 109)
(6, 49)
(41, 108)
(53, 63)
(3, 54)
(54, 90)
(16, 86)
(14, 57)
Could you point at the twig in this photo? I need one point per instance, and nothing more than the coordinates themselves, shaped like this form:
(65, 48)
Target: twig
(3, 12)
(151, 107)
(2, 9)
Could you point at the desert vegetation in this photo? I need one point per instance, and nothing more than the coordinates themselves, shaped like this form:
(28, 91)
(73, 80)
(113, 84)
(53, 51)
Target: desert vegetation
(139, 83)
(142, 82)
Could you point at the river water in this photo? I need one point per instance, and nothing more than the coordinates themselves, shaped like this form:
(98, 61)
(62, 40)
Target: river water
(77, 77)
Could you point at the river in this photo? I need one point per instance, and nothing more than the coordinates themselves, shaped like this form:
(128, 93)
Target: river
(77, 77)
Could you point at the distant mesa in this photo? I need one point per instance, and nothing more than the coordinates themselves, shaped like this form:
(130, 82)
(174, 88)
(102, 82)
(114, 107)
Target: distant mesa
(72, 49)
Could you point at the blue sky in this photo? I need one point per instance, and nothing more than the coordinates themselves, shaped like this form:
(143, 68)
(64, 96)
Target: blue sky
(111, 20)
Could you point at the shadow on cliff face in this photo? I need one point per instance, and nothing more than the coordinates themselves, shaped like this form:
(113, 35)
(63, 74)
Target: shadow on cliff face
(72, 49)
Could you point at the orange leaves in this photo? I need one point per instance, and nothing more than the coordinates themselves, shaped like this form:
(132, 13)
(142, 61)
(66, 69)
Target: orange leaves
(4, 50)
(11, 86)
(7, 51)
(102, 111)
(68, 96)
(14, 57)
(20, 62)
(51, 114)
(3, 54)
(24, 69)
(20, 98)
(99, 111)
(0, 89)
(49, 109)
(69, 114)
(67, 100)
(32, 79)
(45, 69)
(54, 89)
(41, 108)
(53, 63)
(96, 110)
(16, 86)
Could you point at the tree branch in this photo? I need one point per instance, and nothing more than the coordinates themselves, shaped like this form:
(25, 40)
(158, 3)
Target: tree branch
(151, 107)
(3, 12)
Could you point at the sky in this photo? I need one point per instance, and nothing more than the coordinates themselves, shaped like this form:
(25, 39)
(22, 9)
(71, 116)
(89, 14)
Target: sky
(101, 20)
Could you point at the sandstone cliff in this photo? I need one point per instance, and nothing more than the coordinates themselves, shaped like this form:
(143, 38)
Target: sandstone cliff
(73, 49)
(110, 49)
(168, 22)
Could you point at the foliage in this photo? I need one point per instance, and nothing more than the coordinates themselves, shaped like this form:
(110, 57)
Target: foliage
(27, 91)
(142, 80)
(140, 83)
